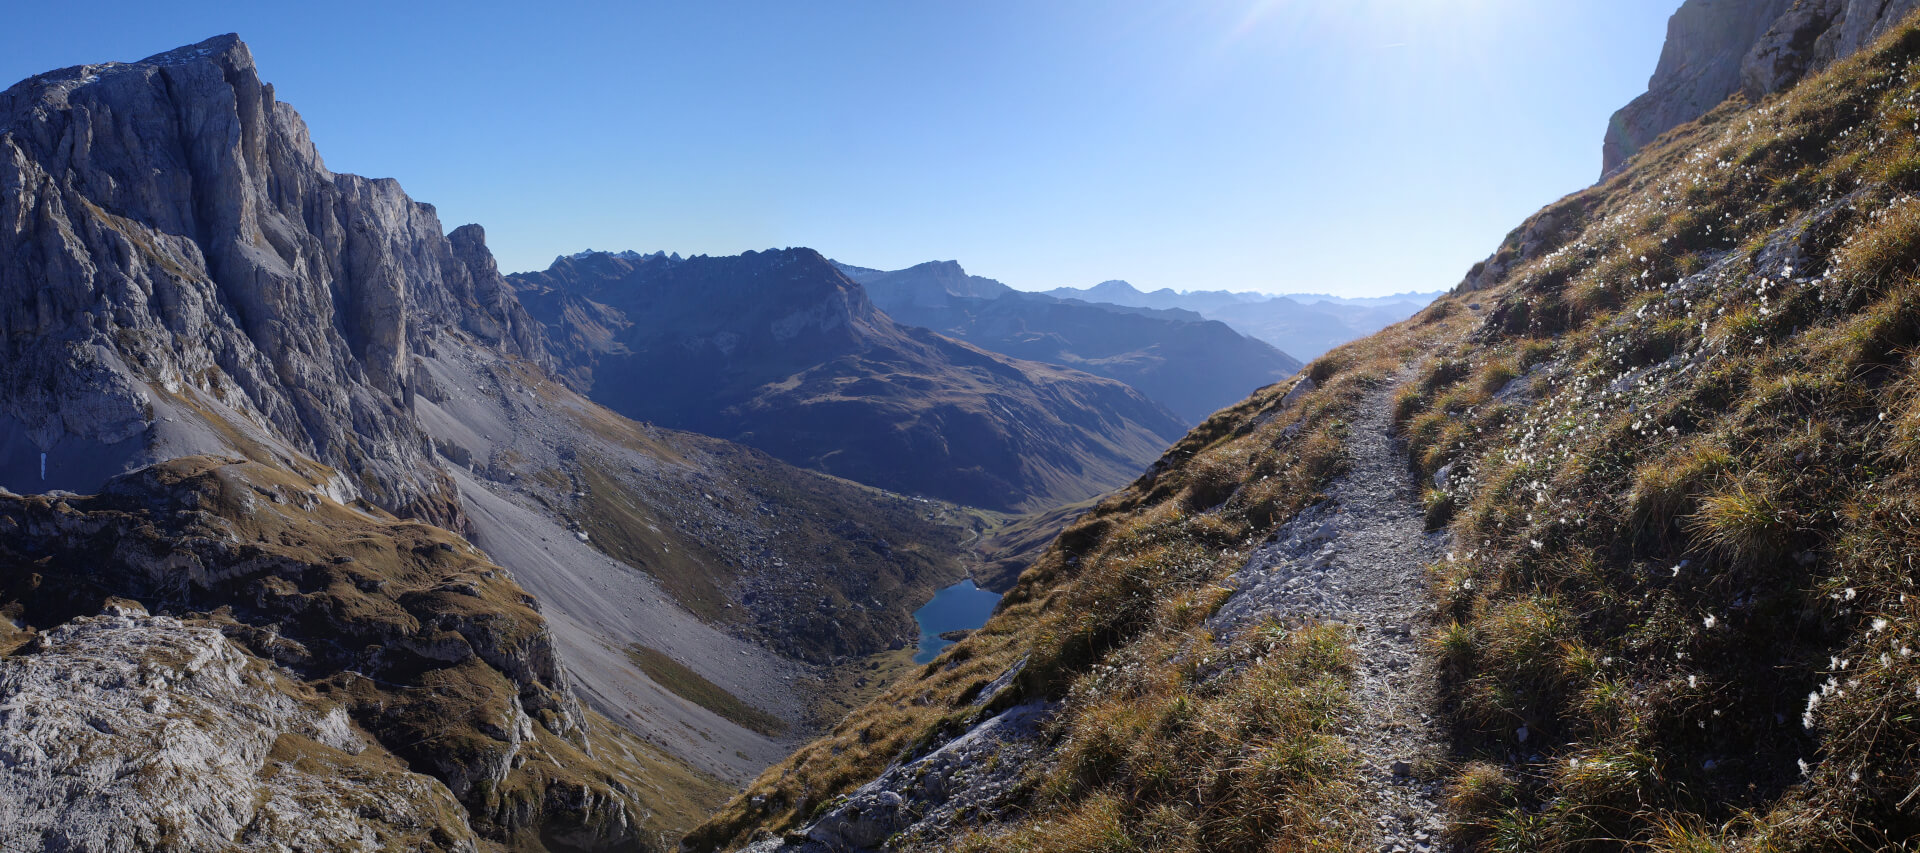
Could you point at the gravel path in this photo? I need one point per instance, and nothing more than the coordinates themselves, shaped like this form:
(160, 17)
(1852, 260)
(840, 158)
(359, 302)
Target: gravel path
(1359, 558)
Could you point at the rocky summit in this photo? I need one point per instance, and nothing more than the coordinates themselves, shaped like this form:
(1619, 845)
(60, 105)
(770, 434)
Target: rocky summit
(180, 265)
(276, 407)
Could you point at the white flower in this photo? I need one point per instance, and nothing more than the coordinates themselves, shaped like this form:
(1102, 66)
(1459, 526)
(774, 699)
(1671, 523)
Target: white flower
(1879, 625)
(1710, 621)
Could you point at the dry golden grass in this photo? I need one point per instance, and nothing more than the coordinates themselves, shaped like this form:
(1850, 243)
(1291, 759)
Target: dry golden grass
(1683, 563)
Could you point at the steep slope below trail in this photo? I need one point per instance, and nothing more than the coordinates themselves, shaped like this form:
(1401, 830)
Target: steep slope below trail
(1355, 560)
(1150, 677)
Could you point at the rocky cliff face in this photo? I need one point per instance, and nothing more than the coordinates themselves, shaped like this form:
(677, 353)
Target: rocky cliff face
(1716, 48)
(174, 253)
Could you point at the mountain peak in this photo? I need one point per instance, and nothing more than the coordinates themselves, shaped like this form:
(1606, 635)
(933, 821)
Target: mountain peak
(227, 45)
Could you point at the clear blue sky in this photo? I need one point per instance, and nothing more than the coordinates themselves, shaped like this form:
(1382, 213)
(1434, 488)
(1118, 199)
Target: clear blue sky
(1349, 146)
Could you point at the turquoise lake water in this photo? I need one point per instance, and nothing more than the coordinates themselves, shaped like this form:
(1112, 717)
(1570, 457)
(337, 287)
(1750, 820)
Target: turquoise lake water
(961, 607)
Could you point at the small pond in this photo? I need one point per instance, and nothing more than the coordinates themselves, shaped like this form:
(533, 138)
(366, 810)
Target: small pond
(961, 607)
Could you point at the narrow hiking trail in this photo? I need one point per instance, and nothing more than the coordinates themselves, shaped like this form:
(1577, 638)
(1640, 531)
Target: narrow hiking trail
(1359, 558)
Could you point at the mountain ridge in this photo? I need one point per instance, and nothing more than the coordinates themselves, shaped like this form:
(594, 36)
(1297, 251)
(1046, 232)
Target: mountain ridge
(783, 352)
(1190, 364)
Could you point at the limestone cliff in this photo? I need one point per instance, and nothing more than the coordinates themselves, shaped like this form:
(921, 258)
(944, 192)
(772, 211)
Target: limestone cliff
(1716, 48)
(178, 265)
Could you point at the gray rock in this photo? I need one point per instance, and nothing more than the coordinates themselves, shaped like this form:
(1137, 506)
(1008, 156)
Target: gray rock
(135, 732)
(973, 773)
(1716, 48)
(171, 245)
(1699, 67)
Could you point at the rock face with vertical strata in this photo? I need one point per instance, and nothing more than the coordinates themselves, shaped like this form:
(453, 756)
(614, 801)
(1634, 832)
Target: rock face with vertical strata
(173, 252)
(1716, 48)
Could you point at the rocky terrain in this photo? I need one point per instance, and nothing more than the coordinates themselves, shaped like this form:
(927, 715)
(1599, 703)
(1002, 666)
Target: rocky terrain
(780, 351)
(278, 405)
(1608, 549)
(1190, 365)
(1717, 48)
(377, 631)
(206, 746)
(216, 271)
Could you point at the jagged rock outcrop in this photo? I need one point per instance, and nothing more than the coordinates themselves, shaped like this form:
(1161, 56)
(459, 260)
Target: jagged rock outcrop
(1707, 40)
(125, 731)
(1716, 48)
(177, 266)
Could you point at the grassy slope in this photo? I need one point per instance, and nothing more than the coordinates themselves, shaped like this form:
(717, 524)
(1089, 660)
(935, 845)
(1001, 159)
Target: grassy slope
(1154, 751)
(1699, 517)
(1685, 536)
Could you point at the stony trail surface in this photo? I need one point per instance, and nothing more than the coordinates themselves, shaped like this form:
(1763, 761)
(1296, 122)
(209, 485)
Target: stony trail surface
(1359, 558)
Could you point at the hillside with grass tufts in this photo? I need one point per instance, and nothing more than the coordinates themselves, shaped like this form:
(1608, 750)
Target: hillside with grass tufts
(1663, 449)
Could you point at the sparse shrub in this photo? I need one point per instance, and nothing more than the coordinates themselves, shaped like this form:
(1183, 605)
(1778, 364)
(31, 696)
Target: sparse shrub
(1518, 654)
(1534, 351)
(1478, 797)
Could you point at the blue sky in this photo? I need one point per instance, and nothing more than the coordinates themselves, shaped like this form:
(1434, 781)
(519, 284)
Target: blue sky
(1357, 147)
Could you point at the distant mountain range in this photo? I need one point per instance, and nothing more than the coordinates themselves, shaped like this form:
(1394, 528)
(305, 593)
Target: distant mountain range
(1304, 325)
(781, 351)
(1182, 360)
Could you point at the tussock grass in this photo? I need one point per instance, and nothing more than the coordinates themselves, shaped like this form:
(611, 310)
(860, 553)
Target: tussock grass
(1240, 753)
(1683, 567)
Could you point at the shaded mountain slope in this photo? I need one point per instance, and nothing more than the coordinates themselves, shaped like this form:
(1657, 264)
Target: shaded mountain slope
(1190, 365)
(1302, 325)
(1670, 429)
(780, 351)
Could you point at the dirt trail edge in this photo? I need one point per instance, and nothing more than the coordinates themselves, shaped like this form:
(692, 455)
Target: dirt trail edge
(1359, 558)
